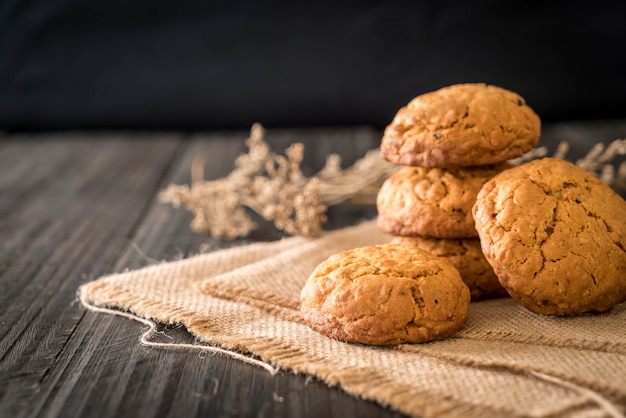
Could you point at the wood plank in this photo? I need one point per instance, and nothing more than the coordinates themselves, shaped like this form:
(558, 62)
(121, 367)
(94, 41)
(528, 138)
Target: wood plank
(184, 382)
(73, 208)
(67, 213)
(100, 369)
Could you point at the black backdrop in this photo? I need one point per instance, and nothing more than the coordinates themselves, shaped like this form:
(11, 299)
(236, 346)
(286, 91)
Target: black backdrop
(201, 64)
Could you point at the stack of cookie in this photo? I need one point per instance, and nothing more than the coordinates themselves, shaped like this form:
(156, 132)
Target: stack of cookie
(450, 142)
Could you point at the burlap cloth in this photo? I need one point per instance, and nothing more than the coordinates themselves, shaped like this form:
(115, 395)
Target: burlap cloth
(506, 361)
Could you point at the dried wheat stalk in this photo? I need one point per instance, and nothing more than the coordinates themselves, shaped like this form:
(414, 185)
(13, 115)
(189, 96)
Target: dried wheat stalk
(269, 184)
(274, 187)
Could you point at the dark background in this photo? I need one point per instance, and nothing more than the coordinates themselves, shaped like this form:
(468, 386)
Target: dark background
(200, 64)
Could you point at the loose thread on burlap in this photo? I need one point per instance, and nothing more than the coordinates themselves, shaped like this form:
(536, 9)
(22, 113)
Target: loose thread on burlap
(604, 404)
(146, 258)
(152, 329)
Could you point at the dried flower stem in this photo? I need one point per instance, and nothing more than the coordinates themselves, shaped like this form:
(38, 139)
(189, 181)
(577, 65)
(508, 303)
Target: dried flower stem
(598, 161)
(270, 185)
(357, 184)
(274, 187)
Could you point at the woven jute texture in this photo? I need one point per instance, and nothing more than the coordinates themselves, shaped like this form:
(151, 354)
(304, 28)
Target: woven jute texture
(506, 361)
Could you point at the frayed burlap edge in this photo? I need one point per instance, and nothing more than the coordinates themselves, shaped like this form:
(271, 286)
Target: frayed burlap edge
(276, 305)
(273, 355)
(168, 293)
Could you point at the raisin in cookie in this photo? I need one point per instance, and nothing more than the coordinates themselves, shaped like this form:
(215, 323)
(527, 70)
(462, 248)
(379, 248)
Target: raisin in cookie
(467, 257)
(461, 125)
(385, 294)
(555, 236)
(432, 202)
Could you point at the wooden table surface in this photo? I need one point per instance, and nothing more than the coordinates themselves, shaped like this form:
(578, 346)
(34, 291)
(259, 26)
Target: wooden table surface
(75, 206)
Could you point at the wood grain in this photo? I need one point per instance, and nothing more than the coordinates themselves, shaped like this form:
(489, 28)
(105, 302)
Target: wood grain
(75, 206)
(80, 207)
(66, 220)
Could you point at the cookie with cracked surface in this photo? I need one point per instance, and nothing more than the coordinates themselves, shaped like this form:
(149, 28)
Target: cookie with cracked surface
(555, 236)
(385, 294)
(432, 202)
(461, 125)
(468, 258)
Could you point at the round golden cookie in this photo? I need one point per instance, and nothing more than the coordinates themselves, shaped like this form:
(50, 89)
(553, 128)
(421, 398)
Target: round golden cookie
(459, 126)
(432, 202)
(385, 294)
(555, 236)
(467, 256)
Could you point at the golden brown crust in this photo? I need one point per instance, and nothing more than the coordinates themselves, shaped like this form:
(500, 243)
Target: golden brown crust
(461, 125)
(385, 294)
(432, 202)
(555, 236)
(467, 256)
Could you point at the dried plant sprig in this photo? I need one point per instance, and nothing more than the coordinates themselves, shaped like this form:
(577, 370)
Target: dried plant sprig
(358, 184)
(598, 162)
(271, 185)
(227, 220)
(274, 187)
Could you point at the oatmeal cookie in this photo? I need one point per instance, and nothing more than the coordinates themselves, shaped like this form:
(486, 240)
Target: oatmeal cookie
(555, 236)
(466, 255)
(461, 125)
(385, 294)
(432, 202)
